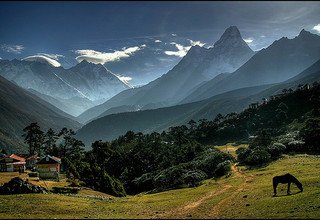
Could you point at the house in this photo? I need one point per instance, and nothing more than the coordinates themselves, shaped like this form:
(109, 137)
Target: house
(49, 167)
(12, 163)
(31, 161)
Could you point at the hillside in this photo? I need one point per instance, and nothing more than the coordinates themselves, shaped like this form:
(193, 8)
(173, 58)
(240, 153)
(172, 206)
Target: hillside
(19, 108)
(244, 194)
(146, 122)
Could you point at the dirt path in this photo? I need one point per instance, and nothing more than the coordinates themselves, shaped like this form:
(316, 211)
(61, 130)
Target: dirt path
(243, 186)
(217, 208)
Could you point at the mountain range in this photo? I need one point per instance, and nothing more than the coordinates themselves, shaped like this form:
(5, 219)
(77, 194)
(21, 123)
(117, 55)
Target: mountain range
(111, 126)
(224, 78)
(280, 61)
(80, 87)
(199, 65)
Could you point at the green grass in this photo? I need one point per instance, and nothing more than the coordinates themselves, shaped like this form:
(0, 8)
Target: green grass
(245, 194)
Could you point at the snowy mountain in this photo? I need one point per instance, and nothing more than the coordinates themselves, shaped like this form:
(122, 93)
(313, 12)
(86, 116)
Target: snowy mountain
(199, 65)
(83, 85)
(282, 60)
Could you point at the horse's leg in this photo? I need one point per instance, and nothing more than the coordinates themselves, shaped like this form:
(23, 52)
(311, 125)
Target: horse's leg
(275, 188)
(288, 191)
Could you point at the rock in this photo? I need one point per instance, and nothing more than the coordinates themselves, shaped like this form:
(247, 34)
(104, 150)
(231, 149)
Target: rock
(18, 186)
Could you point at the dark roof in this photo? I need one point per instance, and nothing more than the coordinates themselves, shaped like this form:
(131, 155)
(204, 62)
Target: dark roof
(49, 160)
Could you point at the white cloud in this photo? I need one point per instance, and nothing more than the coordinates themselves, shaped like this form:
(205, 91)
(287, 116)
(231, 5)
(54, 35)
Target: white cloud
(12, 48)
(157, 41)
(125, 78)
(43, 59)
(52, 56)
(194, 43)
(174, 35)
(262, 36)
(317, 28)
(102, 57)
(248, 40)
(182, 50)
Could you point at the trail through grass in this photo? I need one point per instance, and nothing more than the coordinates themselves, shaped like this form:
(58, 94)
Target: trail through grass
(244, 194)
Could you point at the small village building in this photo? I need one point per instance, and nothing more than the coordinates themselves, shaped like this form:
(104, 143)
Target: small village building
(49, 167)
(31, 161)
(12, 163)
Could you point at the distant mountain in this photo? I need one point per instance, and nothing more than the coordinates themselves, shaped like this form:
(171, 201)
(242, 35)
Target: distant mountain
(18, 108)
(86, 84)
(282, 60)
(199, 65)
(111, 126)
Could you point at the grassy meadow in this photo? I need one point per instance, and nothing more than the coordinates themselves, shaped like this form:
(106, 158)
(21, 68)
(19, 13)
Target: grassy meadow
(243, 194)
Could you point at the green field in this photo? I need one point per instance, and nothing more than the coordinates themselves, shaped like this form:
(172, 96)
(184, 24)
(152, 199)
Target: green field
(244, 194)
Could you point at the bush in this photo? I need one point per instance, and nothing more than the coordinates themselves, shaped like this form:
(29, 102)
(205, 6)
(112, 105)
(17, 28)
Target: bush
(193, 177)
(144, 182)
(296, 146)
(223, 168)
(209, 160)
(258, 157)
(33, 174)
(242, 154)
(65, 190)
(276, 149)
(169, 178)
(111, 185)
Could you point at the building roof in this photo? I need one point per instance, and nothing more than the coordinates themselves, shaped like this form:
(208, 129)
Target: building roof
(33, 157)
(21, 159)
(49, 160)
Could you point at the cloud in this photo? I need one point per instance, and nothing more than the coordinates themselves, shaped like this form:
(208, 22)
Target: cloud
(248, 40)
(125, 78)
(174, 35)
(157, 41)
(194, 43)
(43, 59)
(12, 48)
(182, 50)
(317, 28)
(52, 56)
(102, 57)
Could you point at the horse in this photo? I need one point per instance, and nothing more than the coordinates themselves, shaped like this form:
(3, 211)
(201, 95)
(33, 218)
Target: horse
(287, 178)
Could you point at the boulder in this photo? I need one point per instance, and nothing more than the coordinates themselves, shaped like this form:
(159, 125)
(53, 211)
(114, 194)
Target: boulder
(18, 186)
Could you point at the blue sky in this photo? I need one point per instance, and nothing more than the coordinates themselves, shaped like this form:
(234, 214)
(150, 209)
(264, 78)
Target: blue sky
(142, 40)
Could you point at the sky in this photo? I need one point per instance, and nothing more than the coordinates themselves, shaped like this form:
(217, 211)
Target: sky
(140, 41)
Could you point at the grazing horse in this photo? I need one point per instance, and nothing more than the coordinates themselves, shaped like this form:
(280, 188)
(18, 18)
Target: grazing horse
(287, 178)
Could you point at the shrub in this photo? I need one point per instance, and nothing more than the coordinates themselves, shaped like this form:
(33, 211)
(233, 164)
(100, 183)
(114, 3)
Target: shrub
(223, 168)
(65, 190)
(169, 178)
(276, 149)
(242, 154)
(144, 182)
(33, 174)
(111, 185)
(258, 157)
(296, 146)
(193, 177)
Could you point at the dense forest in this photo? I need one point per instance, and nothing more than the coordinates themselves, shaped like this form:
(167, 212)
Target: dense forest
(185, 155)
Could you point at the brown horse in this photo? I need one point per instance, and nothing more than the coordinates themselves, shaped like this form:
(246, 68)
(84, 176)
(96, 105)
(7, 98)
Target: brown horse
(287, 178)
